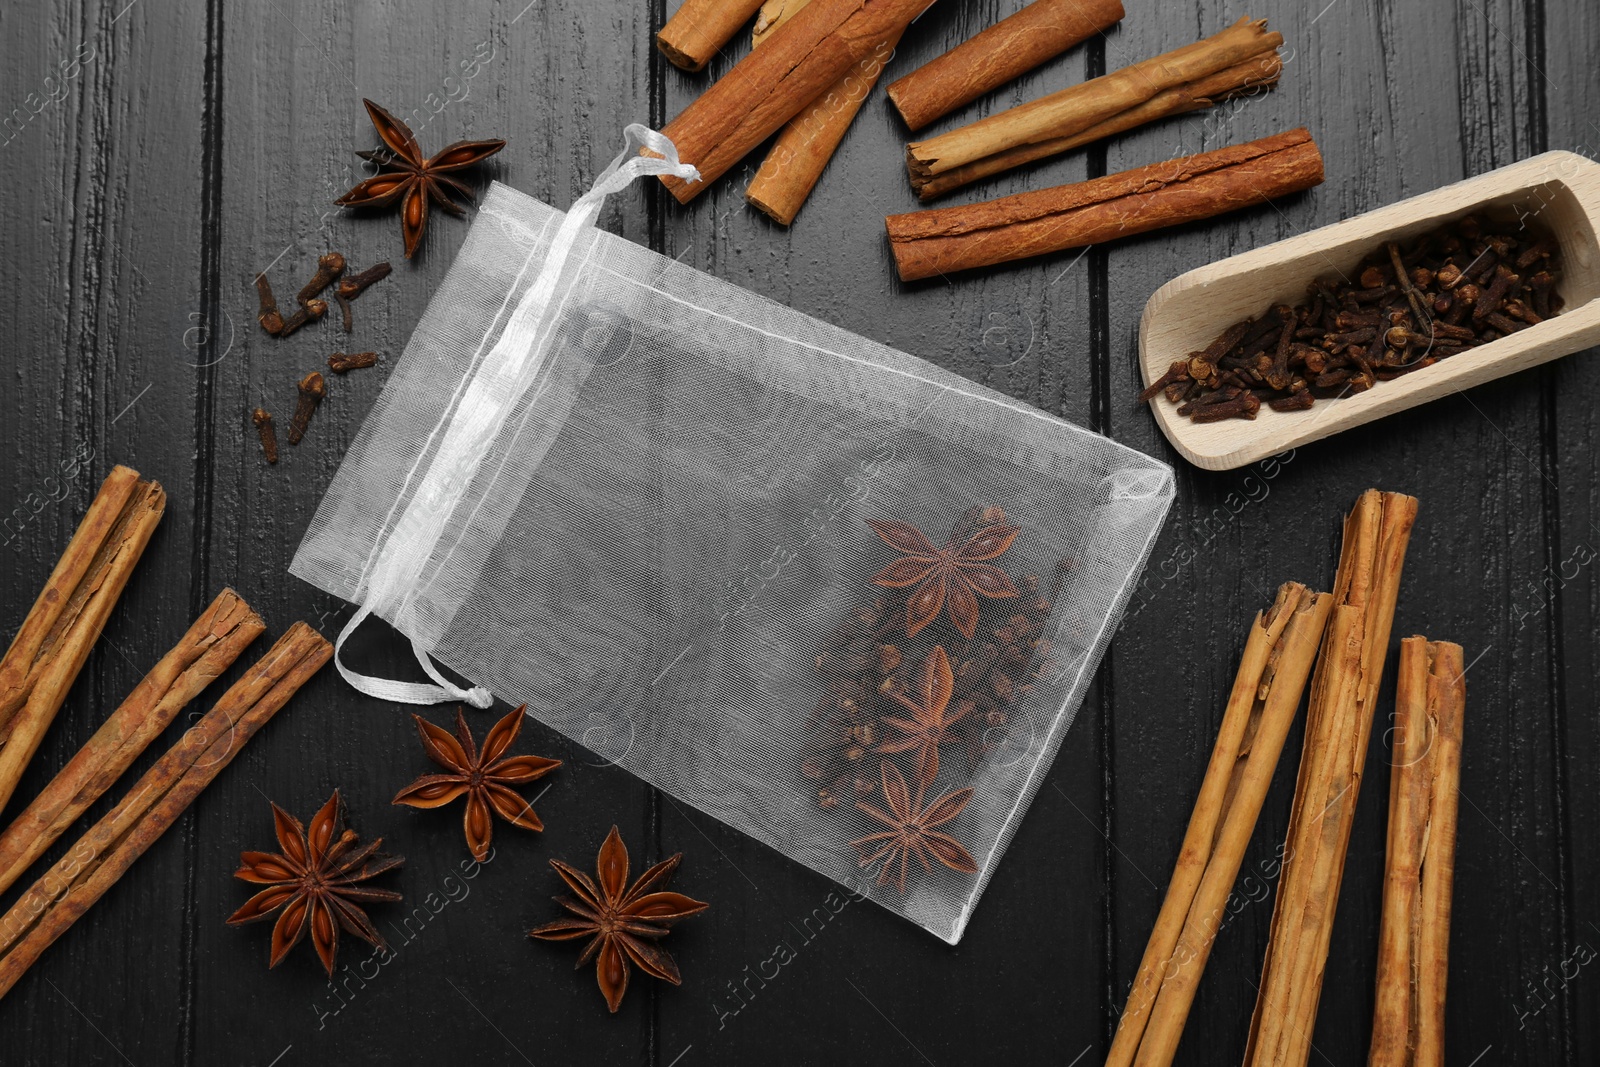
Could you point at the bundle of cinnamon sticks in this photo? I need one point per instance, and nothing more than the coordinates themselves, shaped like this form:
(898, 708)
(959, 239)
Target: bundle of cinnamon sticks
(38, 669)
(813, 63)
(1353, 625)
(801, 61)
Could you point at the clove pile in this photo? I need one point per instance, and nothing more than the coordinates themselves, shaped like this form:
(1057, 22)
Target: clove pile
(1405, 308)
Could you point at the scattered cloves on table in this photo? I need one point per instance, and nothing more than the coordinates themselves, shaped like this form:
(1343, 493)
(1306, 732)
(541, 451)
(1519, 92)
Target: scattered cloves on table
(1450, 290)
(341, 363)
(312, 390)
(269, 434)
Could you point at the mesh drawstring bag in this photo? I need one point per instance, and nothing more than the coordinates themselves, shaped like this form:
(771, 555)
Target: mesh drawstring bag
(832, 595)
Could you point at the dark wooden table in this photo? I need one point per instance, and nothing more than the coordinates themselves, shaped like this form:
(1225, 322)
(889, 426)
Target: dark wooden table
(158, 153)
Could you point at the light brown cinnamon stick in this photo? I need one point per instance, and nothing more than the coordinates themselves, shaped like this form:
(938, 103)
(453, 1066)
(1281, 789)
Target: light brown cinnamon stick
(215, 640)
(55, 640)
(1071, 111)
(1254, 75)
(1413, 948)
(945, 240)
(700, 28)
(1278, 654)
(802, 151)
(1011, 47)
(775, 82)
(104, 853)
(1338, 726)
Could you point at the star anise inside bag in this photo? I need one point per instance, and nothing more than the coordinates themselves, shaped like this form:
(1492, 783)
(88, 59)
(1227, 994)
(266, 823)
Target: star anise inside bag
(316, 882)
(884, 691)
(930, 721)
(415, 180)
(911, 830)
(484, 778)
(625, 922)
(951, 578)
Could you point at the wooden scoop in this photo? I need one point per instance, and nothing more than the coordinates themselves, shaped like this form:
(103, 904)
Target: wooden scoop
(1556, 191)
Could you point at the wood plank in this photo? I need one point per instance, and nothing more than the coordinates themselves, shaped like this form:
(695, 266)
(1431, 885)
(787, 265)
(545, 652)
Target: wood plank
(102, 152)
(1565, 588)
(1392, 134)
(463, 968)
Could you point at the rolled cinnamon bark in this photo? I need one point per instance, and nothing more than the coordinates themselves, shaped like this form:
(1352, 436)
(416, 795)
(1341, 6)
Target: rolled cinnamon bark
(1254, 75)
(215, 640)
(775, 82)
(1344, 694)
(1413, 949)
(1074, 110)
(61, 629)
(700, 28)
(808, 142)
(1011, 47)
(1278, 654)
(945, 240)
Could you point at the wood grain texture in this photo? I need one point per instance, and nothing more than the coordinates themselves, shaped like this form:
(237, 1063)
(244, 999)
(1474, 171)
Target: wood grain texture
(201, 141)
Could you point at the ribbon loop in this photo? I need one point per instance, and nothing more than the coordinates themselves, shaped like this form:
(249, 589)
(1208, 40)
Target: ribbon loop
(503, 376)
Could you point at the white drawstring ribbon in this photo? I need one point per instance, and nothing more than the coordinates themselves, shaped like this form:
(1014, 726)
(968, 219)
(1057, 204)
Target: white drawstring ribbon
(505, 374)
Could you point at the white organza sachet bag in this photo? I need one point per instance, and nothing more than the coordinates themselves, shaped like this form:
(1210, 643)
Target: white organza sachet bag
(839, 598)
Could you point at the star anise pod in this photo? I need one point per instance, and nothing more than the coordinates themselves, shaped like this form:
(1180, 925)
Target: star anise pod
(929, 726)
(949, 578)
(483, 777)
(415, 179)
(624, 921)
(316, 882)
(912, 830)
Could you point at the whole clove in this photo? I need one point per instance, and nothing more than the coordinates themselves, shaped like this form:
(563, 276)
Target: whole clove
(340, 363)
(269, 434)
(310, 311)
(1402, 309)
(352, 286)
(312, 390)
(329, 266)
(269, 317)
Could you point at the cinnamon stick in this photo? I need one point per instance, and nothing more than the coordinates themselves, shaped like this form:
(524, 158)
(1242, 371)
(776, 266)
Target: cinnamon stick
(1338, 726)
(1244, 79)
(55, 639)
(1080, 107)
(700, 28)
(1278, 654)
(1413, 947)
(945, 240)
(104, 853)
(1011, 47)
(808, 142)
(775, 82)
(215, 640)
